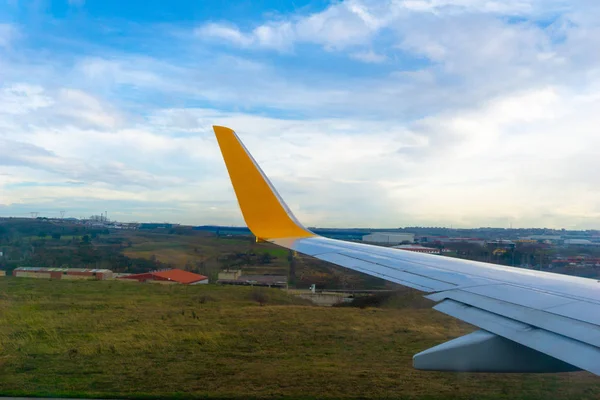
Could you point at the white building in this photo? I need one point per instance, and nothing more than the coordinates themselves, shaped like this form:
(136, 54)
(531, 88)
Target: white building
(389, 237)
(579, 242)
(544, 238)
(230, 274)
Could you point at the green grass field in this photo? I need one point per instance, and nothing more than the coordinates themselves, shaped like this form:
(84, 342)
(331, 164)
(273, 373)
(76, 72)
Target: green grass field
(179, 250)
(116, 339)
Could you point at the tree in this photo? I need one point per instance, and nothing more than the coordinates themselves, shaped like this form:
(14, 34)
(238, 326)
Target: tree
(42, 235)
(56, 236)
(260, 296)
(4, 234)
(465, 248)
(265, 258)
(189, 266)
(292, 261)
(86, 239)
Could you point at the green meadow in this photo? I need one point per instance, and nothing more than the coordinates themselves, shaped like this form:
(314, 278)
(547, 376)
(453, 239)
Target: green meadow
(130, 340)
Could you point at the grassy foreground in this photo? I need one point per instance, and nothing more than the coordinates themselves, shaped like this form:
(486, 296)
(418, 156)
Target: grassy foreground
(116, 339)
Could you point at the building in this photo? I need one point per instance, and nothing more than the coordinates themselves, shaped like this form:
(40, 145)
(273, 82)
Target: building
(389, 237)
(152, 225)
(230, 274)
(62, 273)
(579, 242)
(2, 273)
(544, 238)
(419, 249)
(578, 261)
(500, 244)
(169, 276)
(257, 280)
(450, 240)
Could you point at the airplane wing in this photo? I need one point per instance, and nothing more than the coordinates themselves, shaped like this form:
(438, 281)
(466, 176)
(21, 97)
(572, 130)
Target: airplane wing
(530, 321)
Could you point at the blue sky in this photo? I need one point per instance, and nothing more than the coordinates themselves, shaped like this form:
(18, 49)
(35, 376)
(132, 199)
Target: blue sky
(364, 113)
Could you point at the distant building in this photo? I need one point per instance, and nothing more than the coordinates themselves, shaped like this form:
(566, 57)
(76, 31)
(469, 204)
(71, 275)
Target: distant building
(579, 242)
(506, 244)
(419, 249)
(123, 225)
(169, 276)
(578, 261)
(257, 280)
(389, 237)
(544, 238)
(450, 240)
(229, 274)
(152, 225)
(62, 273)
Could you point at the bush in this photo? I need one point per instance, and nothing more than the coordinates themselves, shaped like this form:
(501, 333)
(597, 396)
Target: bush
(401, 299)
(260, 296)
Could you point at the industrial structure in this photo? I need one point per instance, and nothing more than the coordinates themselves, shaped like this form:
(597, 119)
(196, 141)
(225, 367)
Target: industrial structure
(62, 273)
(235, 277)
(169, 276)
(393, 238)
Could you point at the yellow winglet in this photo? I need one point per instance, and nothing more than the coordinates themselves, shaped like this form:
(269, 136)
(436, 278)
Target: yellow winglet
(265, 213)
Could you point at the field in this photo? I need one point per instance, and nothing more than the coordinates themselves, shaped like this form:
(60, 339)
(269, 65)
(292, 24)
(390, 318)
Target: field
(207, 255)
(116, 339)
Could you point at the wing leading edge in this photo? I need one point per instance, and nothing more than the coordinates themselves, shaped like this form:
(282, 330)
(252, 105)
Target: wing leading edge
(531, 321)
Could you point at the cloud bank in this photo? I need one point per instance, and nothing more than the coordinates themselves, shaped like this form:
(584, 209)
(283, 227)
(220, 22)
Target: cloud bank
(372, 114)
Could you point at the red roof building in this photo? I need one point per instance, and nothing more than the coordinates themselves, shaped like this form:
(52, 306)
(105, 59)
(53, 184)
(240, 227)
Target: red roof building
(170, 275)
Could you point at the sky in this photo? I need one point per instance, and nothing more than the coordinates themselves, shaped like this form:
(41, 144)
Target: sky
(363, 113)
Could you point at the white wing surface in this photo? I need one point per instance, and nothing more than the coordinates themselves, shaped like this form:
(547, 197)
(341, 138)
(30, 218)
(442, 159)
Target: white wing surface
(530, 321)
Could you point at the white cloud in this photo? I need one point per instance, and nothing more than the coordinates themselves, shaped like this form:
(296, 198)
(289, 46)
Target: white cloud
(339, 26)
(369, 56)
(510, 7)
(277, 35)
(223, 31)
(500, 161)
(469, 118)
(355, 23)
(136, 71)
(22, 98)
(77, 104)
(452, 43)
